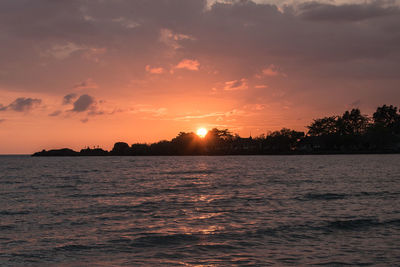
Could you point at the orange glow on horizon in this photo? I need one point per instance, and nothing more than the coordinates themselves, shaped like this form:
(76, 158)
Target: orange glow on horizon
(201, 132)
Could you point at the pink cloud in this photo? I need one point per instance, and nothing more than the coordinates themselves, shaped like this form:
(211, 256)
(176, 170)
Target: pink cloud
(151, 70)
(188, 64)
(172, 39)
(272, 70)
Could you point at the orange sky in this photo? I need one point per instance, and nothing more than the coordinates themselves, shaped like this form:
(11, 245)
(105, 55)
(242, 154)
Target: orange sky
(88, 73)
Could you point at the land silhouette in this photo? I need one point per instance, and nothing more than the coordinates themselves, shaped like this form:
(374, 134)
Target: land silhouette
(351, 132)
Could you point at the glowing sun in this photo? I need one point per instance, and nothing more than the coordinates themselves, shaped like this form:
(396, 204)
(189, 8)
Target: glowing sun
(202, 132)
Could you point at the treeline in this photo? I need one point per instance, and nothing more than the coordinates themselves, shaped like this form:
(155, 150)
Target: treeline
(355, 132)
(351, 132)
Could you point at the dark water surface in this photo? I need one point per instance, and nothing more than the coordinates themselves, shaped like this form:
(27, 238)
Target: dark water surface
(200, 211)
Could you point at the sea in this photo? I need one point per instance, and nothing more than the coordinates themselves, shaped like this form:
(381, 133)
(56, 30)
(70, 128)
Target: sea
(319, 210)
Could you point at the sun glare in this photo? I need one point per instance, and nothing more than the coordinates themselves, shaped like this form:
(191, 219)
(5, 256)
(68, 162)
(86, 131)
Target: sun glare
(202, 132)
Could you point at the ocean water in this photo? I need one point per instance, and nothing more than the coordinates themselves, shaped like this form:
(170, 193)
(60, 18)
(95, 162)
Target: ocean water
(200, 211)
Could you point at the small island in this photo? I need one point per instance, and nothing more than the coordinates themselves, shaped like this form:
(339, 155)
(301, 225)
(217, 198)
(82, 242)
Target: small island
(350, 133)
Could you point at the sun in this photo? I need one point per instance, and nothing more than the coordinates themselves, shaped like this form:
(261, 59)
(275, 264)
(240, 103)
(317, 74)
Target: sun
(201, 132)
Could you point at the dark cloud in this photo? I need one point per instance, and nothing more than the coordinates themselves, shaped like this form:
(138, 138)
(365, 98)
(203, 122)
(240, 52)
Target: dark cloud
(83, 103)
(244, 30)
(69, 98)
(347, 12)
(22, 104)
(324, 49)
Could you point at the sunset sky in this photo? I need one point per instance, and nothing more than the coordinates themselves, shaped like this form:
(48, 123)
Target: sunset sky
(92, 72)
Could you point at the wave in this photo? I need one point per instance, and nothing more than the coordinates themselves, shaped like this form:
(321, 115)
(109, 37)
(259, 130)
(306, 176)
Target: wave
(336, 196)
(164, 240)
(6, 227)
(305, 231)
(188, 172)
(103, 195)
(340, 263)
(378, 194)
(352, 224)
(360, 223)
(74, 248)
(324, 196)
(21, 212)
(11, 182)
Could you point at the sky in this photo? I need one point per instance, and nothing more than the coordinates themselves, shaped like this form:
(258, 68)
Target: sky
(93, 72)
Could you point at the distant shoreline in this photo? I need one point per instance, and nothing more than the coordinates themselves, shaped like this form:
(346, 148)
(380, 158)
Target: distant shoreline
(57, 153)
(350, 133)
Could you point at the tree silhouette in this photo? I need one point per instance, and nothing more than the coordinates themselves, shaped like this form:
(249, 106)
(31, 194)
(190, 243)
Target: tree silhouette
(387, 117)
(121, 149)
(352, 123)
(282, 141)
(324, 126)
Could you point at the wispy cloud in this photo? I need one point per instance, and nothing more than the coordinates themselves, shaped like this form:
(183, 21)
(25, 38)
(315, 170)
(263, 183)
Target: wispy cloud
(87, 84)
(273, 71)
(188, 64)
(154, 70)
(172, 39)
(217, 115)
(201, 116)
(235, 85)
(55, 113)
(154, 111)
(63, 51)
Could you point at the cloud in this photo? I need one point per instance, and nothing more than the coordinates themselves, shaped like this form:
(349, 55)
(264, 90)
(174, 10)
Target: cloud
(128, 23)
(219, 115)
(55, 113)
(188, 64)
(153, 70)
(355, 104)
(69, 98)
(88, 84)
(346, 12)
(156, 112)
(236, 85)
(2, 120)
(330, 51)
(83, 103)
(271, 70)
(201, 116)
(63, 51)
(94, 53)
(22, 104)
(94, 112)
(172, 39)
